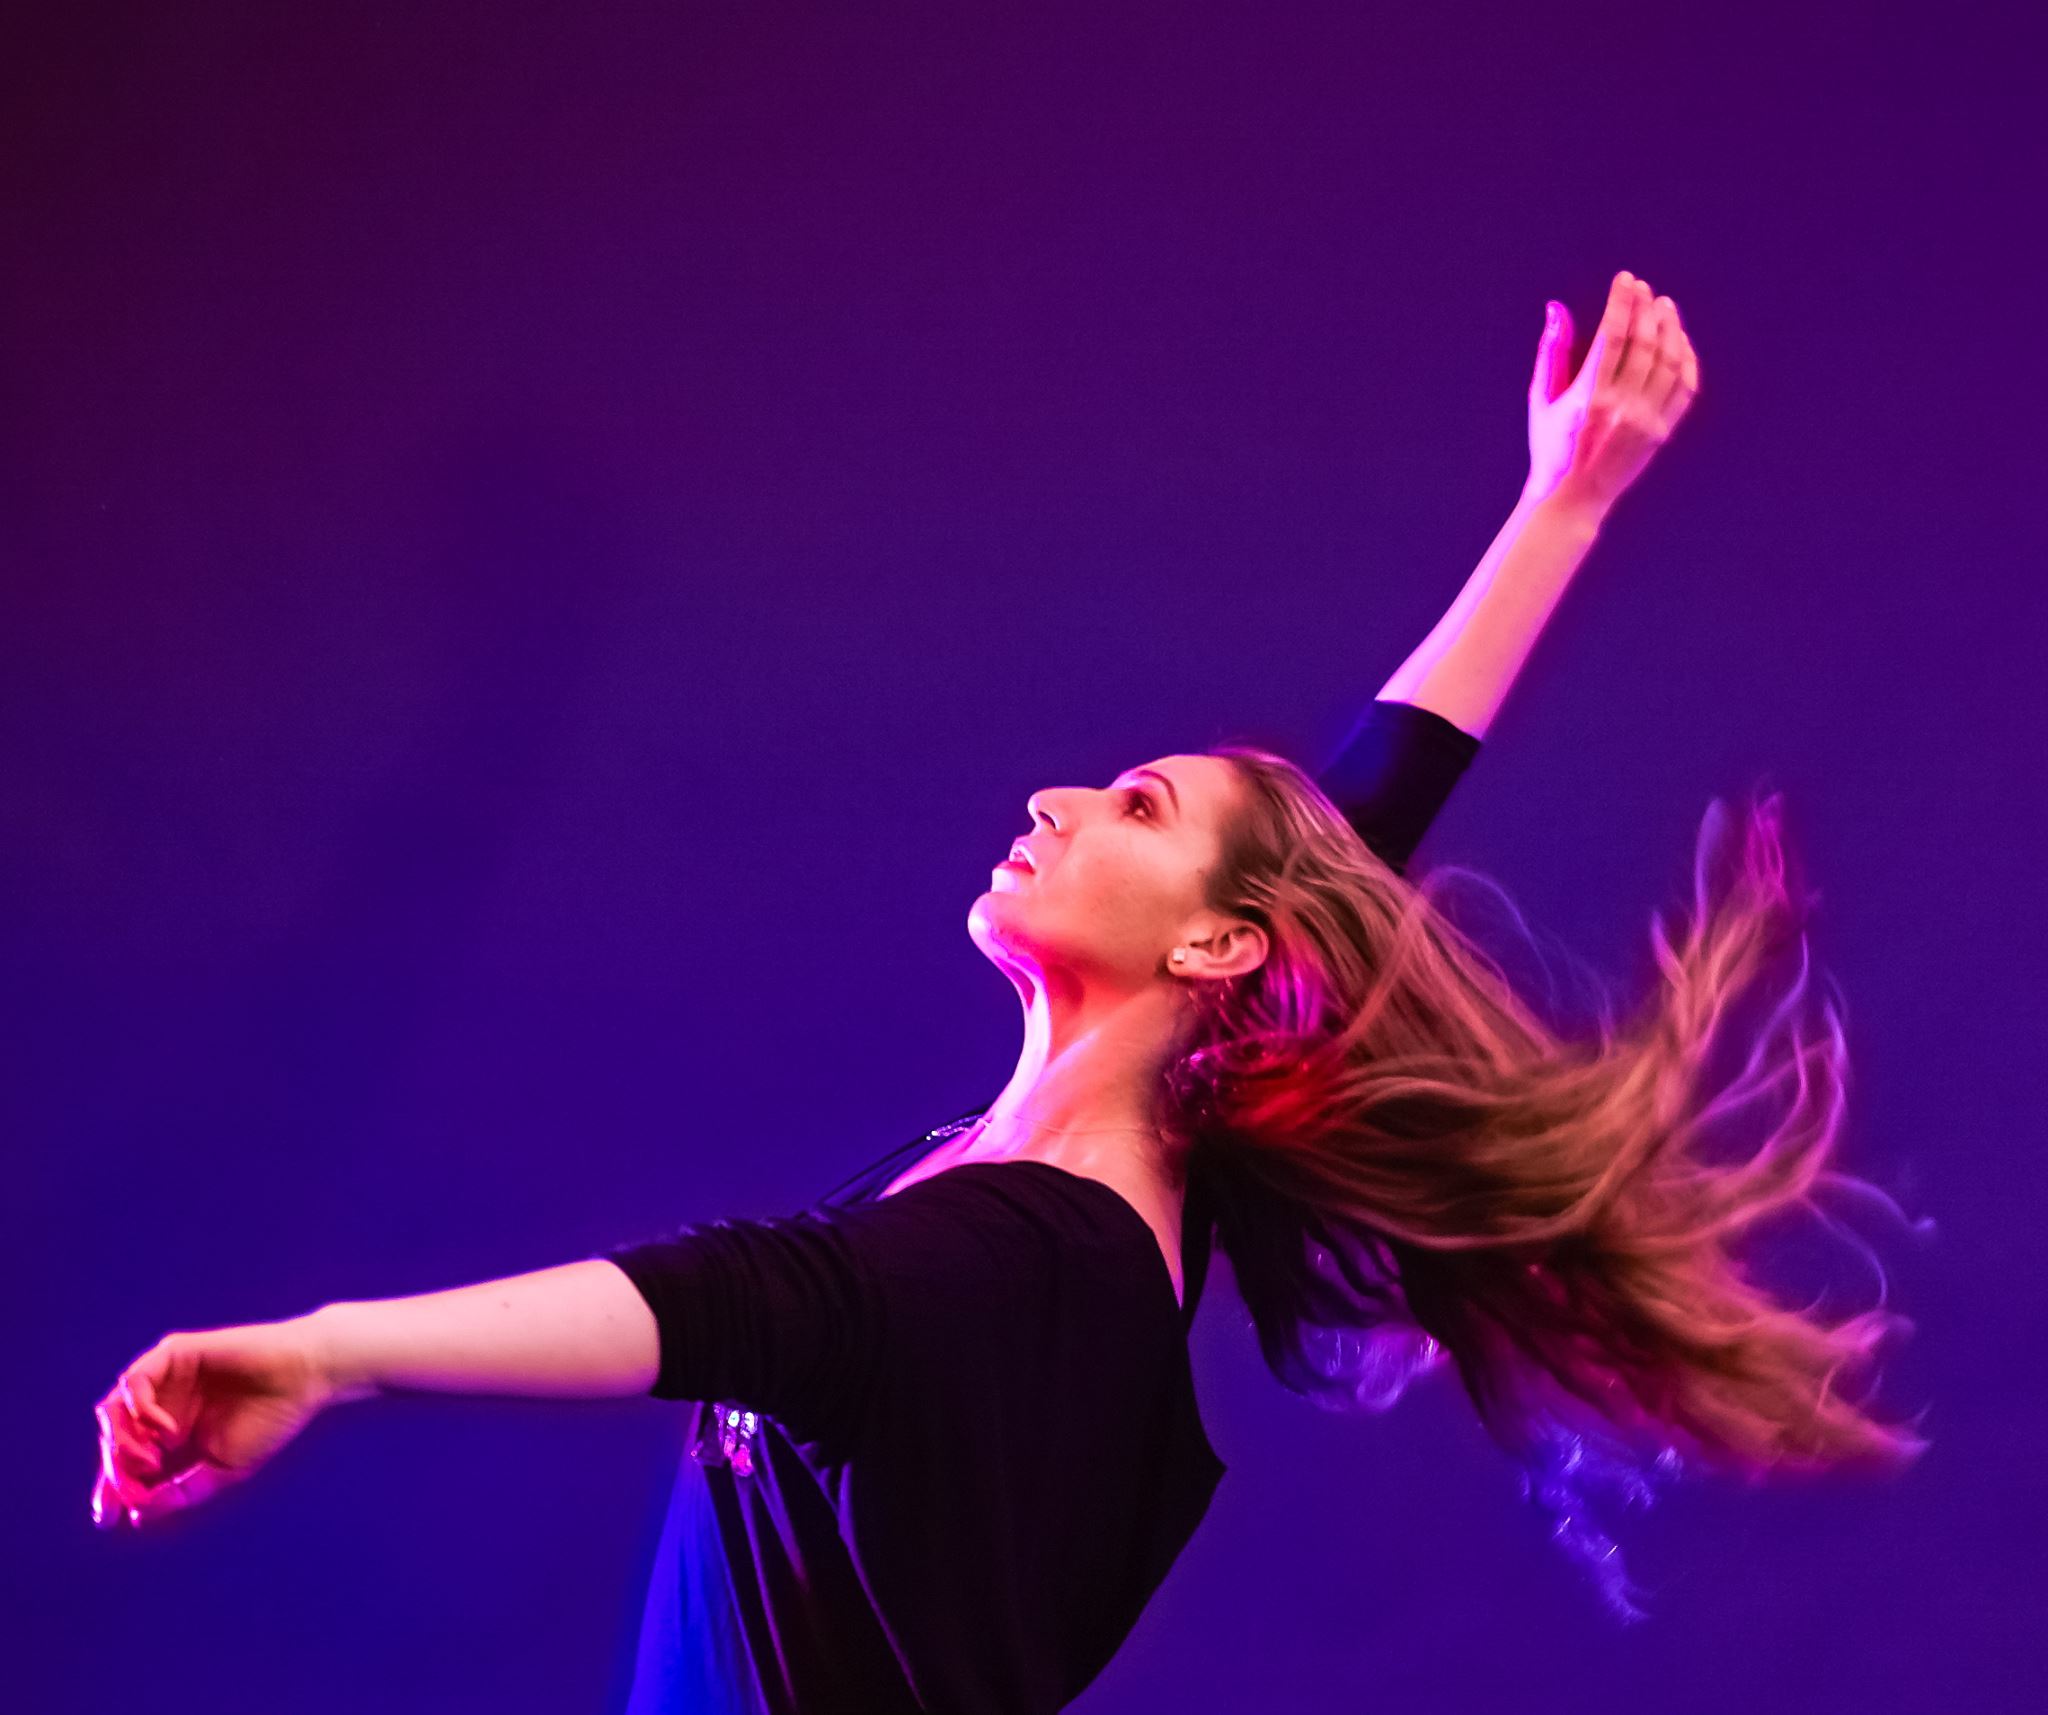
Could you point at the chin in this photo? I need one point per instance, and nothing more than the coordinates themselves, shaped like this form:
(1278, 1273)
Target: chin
(994, 925)
(984, 921)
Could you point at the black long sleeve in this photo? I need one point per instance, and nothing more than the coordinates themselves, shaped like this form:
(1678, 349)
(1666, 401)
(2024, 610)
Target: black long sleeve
(1394, 773)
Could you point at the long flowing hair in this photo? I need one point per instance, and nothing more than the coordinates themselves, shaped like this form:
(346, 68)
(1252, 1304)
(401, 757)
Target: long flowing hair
(1408, 1167)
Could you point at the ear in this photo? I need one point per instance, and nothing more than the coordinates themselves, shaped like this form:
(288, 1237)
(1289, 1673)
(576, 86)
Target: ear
(1222, 947)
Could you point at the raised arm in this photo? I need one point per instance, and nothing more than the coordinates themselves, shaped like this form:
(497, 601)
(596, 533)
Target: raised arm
(1589, 438)
(1462, 670)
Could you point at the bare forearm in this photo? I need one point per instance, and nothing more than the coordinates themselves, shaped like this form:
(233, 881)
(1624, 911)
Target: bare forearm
(1463, 669)
(577, 1331)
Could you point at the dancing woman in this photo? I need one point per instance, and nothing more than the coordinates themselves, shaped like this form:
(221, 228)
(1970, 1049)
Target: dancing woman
(943, 1438)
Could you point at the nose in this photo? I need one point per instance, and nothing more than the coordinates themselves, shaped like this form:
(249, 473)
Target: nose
(1039, 807)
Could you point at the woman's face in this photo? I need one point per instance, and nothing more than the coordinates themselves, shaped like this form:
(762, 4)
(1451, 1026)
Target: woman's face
(1118, 875)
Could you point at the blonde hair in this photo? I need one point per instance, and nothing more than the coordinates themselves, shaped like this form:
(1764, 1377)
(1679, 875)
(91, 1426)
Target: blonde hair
(1405, 1164)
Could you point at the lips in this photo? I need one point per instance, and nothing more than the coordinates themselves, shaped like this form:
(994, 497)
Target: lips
(1021, 853)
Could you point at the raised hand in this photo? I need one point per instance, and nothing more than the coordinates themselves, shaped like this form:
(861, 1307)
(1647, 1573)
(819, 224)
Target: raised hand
(1590, 436)
(200, 1411)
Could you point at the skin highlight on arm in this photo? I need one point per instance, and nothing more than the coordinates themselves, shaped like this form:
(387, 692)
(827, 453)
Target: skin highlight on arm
(580, 1330)
(1464, 668)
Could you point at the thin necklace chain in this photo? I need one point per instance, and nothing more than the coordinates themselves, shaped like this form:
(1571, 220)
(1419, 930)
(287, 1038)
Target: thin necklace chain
(1097, 1131)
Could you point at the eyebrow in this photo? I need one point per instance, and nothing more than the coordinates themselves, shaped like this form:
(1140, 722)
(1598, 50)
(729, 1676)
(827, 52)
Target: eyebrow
(1154, 774)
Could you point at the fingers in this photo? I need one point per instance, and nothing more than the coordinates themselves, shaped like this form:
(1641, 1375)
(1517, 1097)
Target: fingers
(135, 1484)
(1610, 344)
(1683, 381)
(109, 1507)
(1640, 348)
(141, 1388)
(120, 1484)
(1658, 363)
(135, 1428)
(1663, 377)
(128, 1449)
(163, 1376)
(133, 1455)
(124, 1475)
(1553, 353)
(197, 1483)
(1633, 371)
(117, 1501)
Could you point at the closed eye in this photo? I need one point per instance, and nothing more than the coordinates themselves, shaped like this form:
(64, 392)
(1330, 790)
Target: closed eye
(1135, 799)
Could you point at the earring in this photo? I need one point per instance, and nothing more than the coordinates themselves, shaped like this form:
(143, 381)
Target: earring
(1178, 955)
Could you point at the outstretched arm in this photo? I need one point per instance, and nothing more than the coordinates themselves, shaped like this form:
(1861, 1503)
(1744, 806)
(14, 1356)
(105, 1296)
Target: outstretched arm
(203, 1410)
(578, 1330)
(1589, 438)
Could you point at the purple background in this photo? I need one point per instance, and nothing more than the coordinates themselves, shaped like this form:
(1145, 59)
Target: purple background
(543, 556)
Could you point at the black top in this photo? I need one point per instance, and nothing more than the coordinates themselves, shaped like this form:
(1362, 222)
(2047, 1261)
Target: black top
(944, 1445)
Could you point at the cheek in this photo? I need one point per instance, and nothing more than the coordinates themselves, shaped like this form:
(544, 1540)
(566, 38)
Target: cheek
(1122, 892)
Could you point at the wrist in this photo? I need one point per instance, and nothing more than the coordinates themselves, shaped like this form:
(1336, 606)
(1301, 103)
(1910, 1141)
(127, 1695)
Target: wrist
(1564, 506)
(335, 1357)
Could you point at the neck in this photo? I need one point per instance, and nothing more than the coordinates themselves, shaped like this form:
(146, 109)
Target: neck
(1084, 1093)
(1083, 1099)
